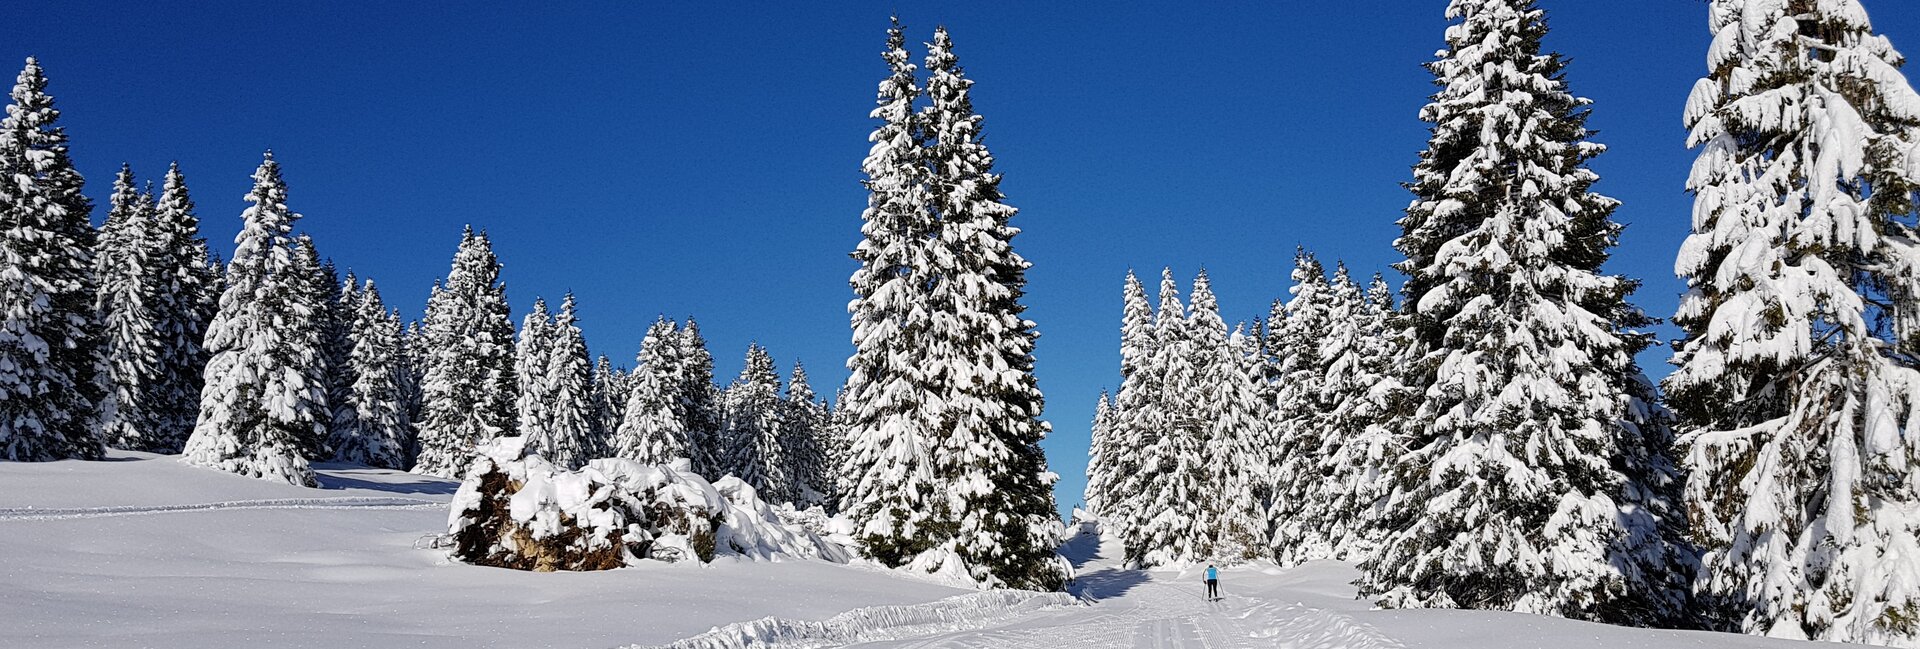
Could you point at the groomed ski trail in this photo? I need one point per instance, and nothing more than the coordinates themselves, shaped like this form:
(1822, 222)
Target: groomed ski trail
(345, 502)
(1159, 615)
(1114, 608)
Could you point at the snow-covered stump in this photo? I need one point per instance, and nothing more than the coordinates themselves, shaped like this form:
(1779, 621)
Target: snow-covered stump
(526, 515)
(522, 512)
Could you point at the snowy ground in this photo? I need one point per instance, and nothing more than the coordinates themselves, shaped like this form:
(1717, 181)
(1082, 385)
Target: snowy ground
(141, 551)
(145, 552)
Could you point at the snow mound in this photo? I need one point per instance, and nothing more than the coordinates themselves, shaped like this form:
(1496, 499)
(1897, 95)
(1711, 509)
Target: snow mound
(878, 623)
(520, 511)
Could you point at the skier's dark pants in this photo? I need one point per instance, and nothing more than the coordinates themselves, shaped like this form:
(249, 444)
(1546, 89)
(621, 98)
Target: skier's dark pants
(1213, 588)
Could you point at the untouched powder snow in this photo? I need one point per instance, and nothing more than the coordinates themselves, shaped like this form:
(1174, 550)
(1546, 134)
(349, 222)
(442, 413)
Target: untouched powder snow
(142, 551)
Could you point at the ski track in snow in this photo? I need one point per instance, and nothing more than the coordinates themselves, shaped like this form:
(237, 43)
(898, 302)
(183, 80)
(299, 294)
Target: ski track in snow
(1153, 615)
(1115, 608)
(879, 622)
(349, 502)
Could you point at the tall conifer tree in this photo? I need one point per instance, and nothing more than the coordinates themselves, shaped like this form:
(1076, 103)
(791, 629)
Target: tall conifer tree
(1357, 441)
(1102, 455)
(378, 432)
(653, 426)
(700, 406)
(571, 435)
(804, 443)
(261, 404)
(530, 357)
(1299, 415)
(890, 420)
(186, 281)
(50, 361)
(752, 431)
(322, 290)
(1517, 488)
(1134, 425)
(990, 462)
(609, 395)
(1795, 388)
(124, 309)
(1171, 481)
(468, 387)
(1229, 408)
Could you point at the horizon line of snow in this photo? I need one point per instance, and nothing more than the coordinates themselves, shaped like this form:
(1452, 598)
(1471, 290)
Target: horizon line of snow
(346, 502)
(876, 623)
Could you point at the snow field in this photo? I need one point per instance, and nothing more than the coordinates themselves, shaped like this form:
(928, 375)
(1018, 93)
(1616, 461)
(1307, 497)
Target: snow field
(277, 572)
(143, 551)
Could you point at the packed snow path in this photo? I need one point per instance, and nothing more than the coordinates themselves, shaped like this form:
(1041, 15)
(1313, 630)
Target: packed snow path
(1310, 607)
(1119, 608)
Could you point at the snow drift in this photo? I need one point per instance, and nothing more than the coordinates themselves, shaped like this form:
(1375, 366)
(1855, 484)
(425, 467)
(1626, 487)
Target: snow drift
(522, 512)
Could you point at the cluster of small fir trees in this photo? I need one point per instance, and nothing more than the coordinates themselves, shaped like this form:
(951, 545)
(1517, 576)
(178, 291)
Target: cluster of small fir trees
(1219, 438)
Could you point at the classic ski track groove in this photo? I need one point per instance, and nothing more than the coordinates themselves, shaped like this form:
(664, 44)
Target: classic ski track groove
(348, 502)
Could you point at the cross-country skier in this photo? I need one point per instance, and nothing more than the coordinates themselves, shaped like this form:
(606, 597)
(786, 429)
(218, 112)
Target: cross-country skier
(1213, 583)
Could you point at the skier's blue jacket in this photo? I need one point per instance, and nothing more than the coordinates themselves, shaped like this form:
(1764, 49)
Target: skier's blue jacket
(1211, 575)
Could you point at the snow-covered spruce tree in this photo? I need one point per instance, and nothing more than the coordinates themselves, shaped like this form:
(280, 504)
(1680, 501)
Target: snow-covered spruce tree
(530, 355)
(261, 403)
(609, 396)
(1357, 439)
(412, 374)
(839, 450)
(990, 464)
(1229, 406)
(1102, 454)
(752, 431)
(1795, 388)
(1171, 480)
(110, 240)
(653, 425)
(185, 283)
(700, 407)
(50, 362)
(129, 342)
(323, 289)
(1517, 490)
(1299, 414)
(890, 416)
(570, 435)
(378, 433)
(336, 341)
(1134, 424)
(803, 442)
(343, 310)
(467, 389)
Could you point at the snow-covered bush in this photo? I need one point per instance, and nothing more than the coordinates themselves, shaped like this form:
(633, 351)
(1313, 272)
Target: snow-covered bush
(756, 530)
(521, 511)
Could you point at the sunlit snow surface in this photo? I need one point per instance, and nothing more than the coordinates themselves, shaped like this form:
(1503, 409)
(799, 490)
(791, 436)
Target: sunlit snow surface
(142, 551)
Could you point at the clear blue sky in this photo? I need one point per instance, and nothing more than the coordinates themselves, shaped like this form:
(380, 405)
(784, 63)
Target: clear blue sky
(665, 158)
